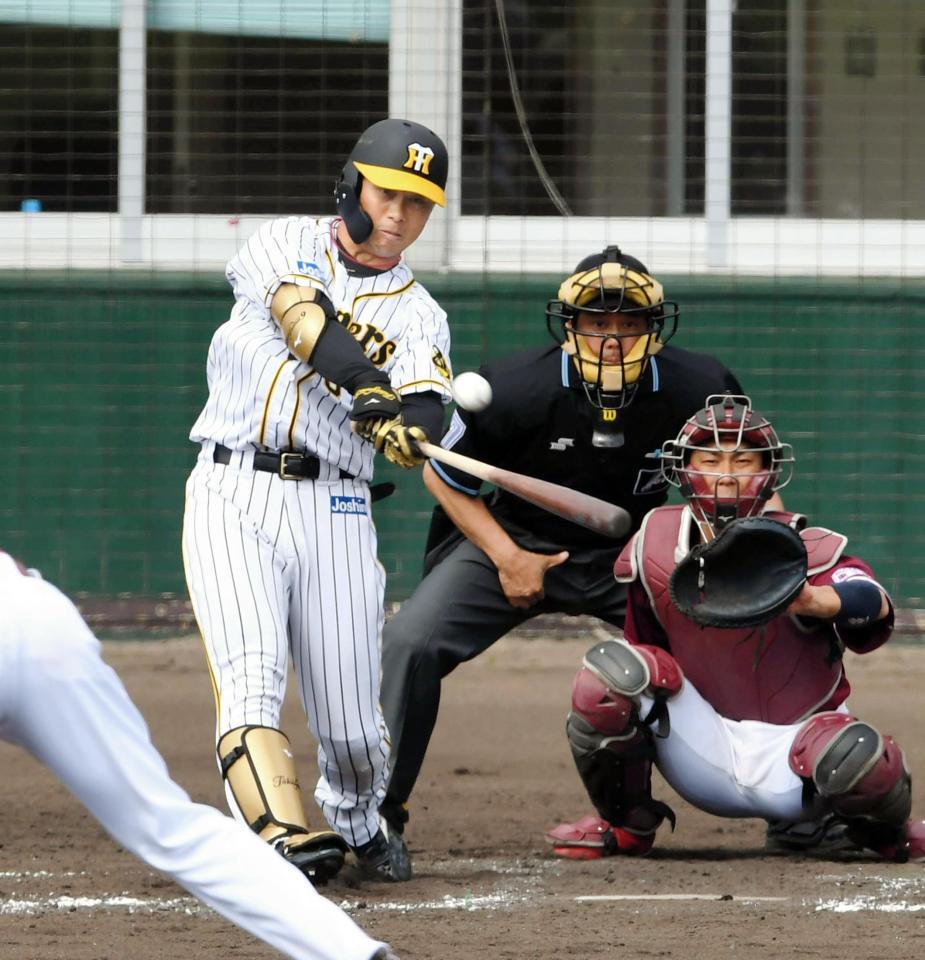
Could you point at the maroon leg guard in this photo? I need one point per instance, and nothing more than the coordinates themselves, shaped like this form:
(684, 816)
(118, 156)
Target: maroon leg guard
(862, 774)
(613, 749)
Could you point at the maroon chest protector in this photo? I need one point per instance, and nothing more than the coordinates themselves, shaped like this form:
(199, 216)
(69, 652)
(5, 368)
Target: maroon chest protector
(780, 672)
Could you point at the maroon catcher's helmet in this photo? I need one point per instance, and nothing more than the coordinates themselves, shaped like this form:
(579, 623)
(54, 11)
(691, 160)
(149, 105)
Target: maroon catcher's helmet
(727, 422)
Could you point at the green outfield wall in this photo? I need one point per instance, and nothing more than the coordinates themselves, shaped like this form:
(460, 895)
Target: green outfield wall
(102, 375)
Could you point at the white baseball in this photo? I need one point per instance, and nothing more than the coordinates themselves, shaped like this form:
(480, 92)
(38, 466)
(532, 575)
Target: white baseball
(471, 391)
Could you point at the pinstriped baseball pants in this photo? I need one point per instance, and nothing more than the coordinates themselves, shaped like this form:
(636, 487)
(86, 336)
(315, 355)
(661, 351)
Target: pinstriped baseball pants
(289, 567)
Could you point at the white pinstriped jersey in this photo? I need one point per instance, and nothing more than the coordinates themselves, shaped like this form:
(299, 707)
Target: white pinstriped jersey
(262, 397)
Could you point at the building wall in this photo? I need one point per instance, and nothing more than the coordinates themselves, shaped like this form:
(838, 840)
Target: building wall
(870, 135)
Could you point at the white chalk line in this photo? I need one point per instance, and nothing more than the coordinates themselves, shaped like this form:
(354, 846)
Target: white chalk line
(879, 901)
(17, 906)
(467, 903)
(470, 903)
(858, 904)
(679, 896)
(890, 894)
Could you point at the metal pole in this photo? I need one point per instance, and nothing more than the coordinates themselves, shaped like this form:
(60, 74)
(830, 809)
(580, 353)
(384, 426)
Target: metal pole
(425, 85)
(718, 130)
(132, 106)
(796, 109)
(677, 75)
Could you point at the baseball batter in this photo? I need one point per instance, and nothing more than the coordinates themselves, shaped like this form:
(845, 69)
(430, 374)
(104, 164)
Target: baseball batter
(333, 351)
(740, 722)
(65, 706)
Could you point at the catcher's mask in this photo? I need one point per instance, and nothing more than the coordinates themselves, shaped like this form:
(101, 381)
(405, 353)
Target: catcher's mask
(393, 155)
(727, 423)
(611, 282)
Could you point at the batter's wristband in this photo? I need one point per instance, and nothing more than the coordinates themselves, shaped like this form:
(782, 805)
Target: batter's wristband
(860, 603)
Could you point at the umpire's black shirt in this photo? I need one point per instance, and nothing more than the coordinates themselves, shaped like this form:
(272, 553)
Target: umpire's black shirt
(540, 422)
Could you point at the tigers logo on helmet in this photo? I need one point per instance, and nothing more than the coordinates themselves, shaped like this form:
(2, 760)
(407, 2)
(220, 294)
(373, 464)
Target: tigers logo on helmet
(419, 158)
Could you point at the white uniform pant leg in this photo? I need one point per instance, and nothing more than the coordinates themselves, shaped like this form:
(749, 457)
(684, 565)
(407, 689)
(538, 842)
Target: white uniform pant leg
(726, 767)
(73, 714)
(337, 618)
(239, 561)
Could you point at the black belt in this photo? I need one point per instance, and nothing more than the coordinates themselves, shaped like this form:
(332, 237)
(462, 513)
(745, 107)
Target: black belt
(289, 466)
(297, 466)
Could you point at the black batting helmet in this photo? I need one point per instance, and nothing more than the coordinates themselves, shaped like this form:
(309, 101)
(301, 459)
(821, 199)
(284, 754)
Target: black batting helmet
(395, 155)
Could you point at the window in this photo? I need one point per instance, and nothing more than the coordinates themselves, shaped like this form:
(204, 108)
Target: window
(58, 116)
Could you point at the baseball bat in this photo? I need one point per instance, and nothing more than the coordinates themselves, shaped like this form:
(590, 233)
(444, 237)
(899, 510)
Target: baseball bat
(581, 508)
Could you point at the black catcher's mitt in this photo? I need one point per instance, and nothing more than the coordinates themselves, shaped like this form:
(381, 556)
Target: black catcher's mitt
(748, 575)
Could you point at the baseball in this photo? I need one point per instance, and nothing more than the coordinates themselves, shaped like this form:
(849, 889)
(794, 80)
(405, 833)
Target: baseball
(471, 391)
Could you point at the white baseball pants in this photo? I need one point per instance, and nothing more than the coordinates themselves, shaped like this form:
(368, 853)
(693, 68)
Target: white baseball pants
(63, 704)
(730, 768)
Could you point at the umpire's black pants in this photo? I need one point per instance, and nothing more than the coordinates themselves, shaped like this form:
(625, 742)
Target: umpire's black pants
(458, 611)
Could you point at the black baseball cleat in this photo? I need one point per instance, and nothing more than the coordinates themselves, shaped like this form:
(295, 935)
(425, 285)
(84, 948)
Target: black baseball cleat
(385, 857)
(320, 857)
(384, 953)
(395, 815)
(828, 834)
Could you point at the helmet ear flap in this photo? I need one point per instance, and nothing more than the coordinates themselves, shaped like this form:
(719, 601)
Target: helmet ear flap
(347, 201)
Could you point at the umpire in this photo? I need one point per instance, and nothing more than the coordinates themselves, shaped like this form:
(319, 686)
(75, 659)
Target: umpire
(590, 413)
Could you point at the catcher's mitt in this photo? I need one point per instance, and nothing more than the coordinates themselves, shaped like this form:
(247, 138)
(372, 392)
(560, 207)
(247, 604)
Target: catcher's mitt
(747, 576)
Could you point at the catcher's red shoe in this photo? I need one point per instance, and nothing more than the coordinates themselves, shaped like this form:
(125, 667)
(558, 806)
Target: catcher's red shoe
(915, 840)
(592, 838)
(912, 846)
(898, 845)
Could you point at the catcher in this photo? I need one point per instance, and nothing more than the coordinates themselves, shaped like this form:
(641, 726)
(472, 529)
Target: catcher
(742, 721)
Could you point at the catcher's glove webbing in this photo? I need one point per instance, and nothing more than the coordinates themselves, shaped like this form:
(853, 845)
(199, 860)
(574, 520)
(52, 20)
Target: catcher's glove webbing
(747, 576)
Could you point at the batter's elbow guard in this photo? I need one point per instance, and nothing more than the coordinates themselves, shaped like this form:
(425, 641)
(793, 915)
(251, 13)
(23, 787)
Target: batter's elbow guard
(301, 313)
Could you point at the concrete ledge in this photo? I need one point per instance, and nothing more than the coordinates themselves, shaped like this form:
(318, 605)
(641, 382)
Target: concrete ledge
(171, 614)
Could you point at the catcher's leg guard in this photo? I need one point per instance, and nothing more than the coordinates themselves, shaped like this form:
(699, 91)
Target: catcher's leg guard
(613, 747)
(862, 774)
(260, 776)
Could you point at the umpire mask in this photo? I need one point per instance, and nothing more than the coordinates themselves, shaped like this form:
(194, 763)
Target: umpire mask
(611, 317)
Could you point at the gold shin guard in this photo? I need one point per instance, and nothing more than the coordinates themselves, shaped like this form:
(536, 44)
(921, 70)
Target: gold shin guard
(259, 768)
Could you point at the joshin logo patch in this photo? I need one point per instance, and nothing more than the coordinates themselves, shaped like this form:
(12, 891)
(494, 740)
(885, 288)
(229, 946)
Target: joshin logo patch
(354, 505)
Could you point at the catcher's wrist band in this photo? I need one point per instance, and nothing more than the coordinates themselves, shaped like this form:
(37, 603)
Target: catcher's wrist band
(860, 603)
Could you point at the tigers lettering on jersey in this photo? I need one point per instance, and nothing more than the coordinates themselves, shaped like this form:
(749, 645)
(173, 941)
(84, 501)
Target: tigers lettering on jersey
(441, 364)
(366, 334)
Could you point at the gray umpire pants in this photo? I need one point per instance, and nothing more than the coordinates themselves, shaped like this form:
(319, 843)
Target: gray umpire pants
(458, 611)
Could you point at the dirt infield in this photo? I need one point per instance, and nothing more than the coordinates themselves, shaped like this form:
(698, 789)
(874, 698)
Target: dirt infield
(497, 775)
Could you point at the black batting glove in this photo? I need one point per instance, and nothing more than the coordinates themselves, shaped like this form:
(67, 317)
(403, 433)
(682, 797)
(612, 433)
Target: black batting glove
(373, 405)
